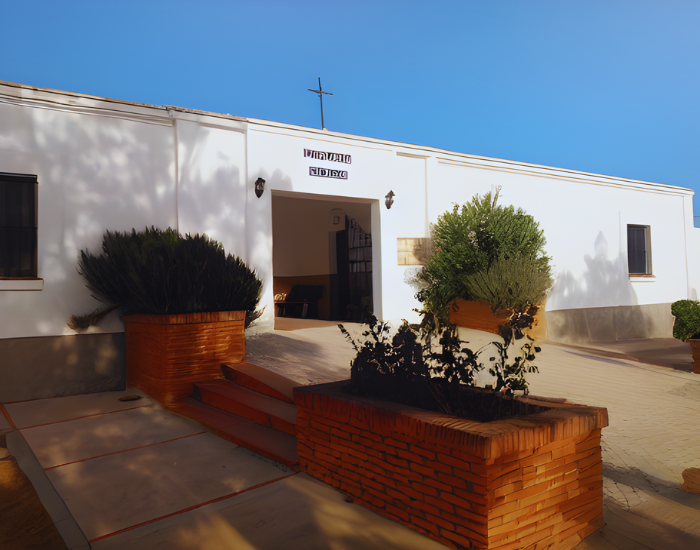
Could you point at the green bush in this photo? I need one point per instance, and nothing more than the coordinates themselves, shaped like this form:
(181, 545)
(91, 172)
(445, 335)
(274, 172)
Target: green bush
(509, 283)
(687, 323)
(160, 271)
(483, 251)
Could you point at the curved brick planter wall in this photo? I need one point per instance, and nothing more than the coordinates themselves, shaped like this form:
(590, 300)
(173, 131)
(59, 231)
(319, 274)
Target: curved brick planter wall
(165, 354)
(526, 482)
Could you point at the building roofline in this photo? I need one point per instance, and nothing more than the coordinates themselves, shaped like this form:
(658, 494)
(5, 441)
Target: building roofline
(458, 157)
(75, 94)
(494, 161)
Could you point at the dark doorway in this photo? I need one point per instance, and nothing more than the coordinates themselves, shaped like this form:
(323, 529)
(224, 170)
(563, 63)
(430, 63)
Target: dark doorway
(351, 295)
(322, 257)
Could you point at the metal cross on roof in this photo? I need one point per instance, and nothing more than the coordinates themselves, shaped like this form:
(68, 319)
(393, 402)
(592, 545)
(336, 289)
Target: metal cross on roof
(320, 93)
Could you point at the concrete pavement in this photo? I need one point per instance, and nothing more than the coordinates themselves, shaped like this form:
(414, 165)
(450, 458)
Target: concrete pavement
(132, 475)
(116, 474)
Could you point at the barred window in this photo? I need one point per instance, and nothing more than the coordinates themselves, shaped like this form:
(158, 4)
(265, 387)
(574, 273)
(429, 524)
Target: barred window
(18, 225)
(639, 249)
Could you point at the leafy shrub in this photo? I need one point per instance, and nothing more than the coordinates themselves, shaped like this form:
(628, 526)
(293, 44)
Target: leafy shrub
(160, 271)
(483, 251)
(509, 283)
(687, 323)
(402, 369)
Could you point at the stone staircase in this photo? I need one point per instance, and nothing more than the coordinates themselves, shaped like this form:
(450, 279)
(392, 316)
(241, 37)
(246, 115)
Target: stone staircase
(250, 406)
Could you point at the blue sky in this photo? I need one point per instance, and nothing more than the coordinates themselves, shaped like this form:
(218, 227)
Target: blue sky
(607, 86)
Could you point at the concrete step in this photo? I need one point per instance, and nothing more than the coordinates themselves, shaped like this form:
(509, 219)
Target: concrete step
(260, 380)
(265, 410)
(278, 446)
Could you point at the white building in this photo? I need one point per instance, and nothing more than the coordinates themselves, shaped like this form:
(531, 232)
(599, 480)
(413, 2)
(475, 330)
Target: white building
(106, 164)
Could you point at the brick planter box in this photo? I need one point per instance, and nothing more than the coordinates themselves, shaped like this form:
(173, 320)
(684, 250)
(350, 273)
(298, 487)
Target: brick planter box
(165, 354)
(695, 348)
(525, 482)
(476, 315)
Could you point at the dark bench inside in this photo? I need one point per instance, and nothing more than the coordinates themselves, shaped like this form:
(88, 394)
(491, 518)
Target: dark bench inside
(302, 301)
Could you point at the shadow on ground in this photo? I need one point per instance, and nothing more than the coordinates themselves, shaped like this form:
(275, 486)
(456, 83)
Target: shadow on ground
(643, 512)
(313, 358)
(661, 352)
(25, 523)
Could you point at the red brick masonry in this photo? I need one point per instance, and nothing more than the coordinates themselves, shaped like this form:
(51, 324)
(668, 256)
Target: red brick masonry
(165, 354)
(531, 482)
(695, 349)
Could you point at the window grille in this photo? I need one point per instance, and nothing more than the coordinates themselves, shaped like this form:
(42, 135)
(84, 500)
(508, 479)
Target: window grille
(638, 250)
(18, 225)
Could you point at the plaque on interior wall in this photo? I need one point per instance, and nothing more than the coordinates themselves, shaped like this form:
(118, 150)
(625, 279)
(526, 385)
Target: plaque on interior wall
(328, 173)
(323, 155)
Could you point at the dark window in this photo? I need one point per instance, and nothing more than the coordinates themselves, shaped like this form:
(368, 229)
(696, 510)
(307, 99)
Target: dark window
(18, 213)
(638, 249)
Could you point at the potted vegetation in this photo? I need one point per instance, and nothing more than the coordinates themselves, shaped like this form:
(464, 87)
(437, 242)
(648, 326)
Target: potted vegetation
(686, 327)
(487, 268)
(185, 304)
(410, 437)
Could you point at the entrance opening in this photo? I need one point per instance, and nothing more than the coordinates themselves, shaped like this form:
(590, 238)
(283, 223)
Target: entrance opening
(321, 257)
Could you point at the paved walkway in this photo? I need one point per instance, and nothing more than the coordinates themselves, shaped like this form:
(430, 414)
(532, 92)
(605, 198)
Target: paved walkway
(118, 474)
(654, 434)
(653, 402)
(132, 475)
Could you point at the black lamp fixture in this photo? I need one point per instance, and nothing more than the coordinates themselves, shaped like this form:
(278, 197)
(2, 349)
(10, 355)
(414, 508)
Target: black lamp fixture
(259, 187)
(389, 199)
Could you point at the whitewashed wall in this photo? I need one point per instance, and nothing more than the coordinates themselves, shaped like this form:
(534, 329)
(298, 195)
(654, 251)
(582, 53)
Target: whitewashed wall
(105, 165)
(585, 223)
(692, 239)
(407, 218)
(276, 154)
(211, 181)
(96, 171)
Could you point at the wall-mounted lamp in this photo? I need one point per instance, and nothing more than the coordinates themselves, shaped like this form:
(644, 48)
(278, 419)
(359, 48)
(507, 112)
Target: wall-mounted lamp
(335, 215)
(389, 199)
(259, 187)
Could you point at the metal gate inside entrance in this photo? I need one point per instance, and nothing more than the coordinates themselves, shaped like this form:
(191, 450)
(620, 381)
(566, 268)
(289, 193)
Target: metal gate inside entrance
(353, 299)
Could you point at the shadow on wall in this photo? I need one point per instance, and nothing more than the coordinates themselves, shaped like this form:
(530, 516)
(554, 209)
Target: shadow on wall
(259, 236)
(280, 181)
(211, 197)
(605, 283)
(601, 305)
(94, 173)
(57, 366)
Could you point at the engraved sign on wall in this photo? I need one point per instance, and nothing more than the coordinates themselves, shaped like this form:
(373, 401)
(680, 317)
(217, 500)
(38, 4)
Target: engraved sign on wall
(328, 173)
(324, 155)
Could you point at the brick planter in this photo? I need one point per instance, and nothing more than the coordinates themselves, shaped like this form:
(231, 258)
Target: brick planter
(476, 315)
(695, 348)
(525, 482)
(165, 354)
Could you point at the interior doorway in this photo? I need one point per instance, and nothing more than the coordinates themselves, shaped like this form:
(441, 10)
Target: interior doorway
(322, 257)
